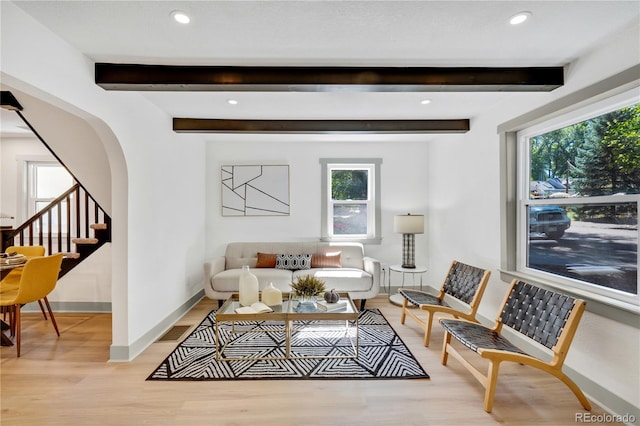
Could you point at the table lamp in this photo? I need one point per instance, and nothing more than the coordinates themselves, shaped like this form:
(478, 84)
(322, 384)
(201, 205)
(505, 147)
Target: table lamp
(408, 225)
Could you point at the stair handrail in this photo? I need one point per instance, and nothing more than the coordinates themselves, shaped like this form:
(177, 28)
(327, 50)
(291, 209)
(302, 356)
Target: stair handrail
(74, 215)
(46, 210)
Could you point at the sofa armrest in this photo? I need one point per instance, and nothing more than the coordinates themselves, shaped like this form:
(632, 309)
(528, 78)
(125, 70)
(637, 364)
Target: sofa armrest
(373, 267)
(211, 268)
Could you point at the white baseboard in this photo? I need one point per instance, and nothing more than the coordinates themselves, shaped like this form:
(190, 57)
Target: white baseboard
(128, 353)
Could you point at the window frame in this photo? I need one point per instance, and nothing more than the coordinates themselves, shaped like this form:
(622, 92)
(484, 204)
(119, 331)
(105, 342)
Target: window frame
(29, 195)
(524, 201)
(604, 96)
(373, 235)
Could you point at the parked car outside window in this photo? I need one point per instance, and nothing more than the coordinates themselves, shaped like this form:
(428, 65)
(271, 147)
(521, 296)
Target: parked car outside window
(551, 221)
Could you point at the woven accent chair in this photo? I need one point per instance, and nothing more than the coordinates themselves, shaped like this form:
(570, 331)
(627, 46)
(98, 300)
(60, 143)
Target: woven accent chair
(544, 316)
(39, 277)
(463, 282)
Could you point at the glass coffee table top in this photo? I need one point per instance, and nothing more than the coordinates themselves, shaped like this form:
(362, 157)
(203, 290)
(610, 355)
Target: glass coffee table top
(291, 308)
(286, 315)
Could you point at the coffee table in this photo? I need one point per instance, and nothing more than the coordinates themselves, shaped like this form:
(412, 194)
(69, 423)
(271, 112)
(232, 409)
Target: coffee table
(286, 318)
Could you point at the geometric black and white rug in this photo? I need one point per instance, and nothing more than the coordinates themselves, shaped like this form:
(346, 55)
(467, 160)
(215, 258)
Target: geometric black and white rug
(381, 353)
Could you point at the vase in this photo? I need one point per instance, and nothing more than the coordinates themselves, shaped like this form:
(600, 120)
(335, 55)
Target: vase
(248, 287)
(305, 298)
(271, 296)
(306, 303)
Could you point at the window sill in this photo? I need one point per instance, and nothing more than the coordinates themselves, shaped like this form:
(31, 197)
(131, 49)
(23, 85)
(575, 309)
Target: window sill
(353, 240)
(611, 308)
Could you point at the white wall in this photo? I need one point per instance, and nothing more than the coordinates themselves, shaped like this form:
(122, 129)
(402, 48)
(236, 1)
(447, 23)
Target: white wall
(404, 173)
(157, 182)
(464, 224)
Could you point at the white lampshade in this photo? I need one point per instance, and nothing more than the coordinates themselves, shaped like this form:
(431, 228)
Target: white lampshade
(409, 224)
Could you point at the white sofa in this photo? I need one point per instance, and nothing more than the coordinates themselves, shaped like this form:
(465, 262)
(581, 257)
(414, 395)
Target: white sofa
(357, 274)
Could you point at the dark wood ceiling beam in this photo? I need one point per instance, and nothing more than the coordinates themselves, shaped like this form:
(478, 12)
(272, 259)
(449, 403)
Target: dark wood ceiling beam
(205, 125)
(140, 77)
(8, 101)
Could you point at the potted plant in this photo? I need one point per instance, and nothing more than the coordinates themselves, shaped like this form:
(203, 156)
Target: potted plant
(307, 288)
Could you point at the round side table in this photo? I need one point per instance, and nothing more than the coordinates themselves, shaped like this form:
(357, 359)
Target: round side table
(396, 298)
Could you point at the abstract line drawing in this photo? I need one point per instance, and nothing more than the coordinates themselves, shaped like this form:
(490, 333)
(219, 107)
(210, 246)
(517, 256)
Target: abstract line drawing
(261, 190)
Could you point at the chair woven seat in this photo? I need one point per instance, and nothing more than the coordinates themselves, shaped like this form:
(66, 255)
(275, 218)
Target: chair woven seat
(476, 336)
(463, 282)
(417, 297)
(533, 313)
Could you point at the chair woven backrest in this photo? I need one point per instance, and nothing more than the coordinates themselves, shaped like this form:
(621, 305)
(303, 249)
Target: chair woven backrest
(537, 313)
(463, 281)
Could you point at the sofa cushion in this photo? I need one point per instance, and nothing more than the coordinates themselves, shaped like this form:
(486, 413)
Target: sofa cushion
(228, 280)
(321, 260)
(266, 260)
(293, 262)
(344, 279)
(238, 254)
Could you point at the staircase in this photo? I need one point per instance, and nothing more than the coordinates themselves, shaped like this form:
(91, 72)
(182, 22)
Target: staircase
(73, 224)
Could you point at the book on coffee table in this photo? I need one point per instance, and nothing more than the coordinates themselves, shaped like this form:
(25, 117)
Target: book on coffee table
(326, 306)
(255, 308)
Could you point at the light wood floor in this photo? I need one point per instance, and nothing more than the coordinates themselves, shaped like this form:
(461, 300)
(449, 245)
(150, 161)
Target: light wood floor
(68, 380)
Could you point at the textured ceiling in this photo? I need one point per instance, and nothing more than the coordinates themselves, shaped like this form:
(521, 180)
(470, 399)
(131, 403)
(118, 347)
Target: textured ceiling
(373, 33)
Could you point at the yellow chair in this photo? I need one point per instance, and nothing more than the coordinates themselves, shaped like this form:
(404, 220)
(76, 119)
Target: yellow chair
(12, 279)
(39, 277)
(29, 251)
(26, 250)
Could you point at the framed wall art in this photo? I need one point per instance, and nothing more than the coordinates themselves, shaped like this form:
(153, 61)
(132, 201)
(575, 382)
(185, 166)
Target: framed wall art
(261, 190)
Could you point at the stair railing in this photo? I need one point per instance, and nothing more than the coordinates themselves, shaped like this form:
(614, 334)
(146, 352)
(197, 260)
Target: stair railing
(66, 218)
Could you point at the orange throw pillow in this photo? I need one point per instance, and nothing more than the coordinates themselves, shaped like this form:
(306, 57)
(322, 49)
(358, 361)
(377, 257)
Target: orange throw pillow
(266, 260)
(320, 260)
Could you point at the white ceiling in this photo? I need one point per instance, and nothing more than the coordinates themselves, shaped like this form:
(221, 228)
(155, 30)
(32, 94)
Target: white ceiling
(372, 33)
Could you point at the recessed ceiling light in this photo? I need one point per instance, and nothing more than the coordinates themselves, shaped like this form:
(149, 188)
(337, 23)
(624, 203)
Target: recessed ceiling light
(425, 101)
(180, 17)
(519, 18)
(232, 102)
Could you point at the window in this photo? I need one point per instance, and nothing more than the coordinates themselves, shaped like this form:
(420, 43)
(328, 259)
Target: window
(351, 199)
(46, 181)
(578, 198)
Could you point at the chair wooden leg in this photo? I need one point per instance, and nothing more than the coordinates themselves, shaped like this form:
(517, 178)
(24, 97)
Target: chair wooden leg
(445, 344)
(44, 314)
(427, 329)
(403, 316)
(12, 319)
(17, 322)
(53, 319)
(574, 388)
(492, 381)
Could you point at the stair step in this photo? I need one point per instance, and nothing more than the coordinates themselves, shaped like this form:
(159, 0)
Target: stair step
(98, 226)
(71, 255)
(85, 241)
